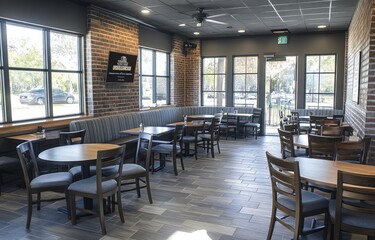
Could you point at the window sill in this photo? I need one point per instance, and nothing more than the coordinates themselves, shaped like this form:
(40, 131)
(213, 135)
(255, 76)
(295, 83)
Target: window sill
(156, 107)
(9, 129)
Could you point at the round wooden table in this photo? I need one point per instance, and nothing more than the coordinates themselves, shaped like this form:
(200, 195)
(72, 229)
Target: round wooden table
(200, 117)
(77, 154)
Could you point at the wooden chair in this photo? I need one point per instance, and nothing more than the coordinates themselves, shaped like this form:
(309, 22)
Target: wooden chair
(36, 184)
(101, 186)
(212, 137)
(254, 125)
(323, 146)
(288, 198)
(134, 173)
(330, 122)
(229, 123)
(315, 123)
(367, 143)
(329, 130)
(350, 152)
(286, 143)
(75, 137)
(291, 128)
(353, 210)
(303, 127)
(191, 137)
(173, 147)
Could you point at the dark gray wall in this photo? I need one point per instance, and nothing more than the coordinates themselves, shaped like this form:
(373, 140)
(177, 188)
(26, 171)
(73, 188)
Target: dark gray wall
(58, 14)
(298, 45)
(154, 39)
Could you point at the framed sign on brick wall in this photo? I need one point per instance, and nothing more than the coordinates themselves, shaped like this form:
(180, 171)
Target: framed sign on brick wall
(356, 77)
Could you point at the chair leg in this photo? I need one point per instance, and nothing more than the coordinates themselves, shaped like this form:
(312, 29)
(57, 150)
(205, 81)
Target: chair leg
(72, 198)
(119, 203)
(212, 149)
(182, 161)
(196, 150)
(256, 132)
(137, 187)
(67, 203)
(218, 146)
(38, 201)
(101, 216)
(272, 223)
(29, 210)
(174, 164)
(298, 227)
(148, 189)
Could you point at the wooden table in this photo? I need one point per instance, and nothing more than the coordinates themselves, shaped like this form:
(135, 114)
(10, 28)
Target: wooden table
(77, 154)
(324, 172)
(238, 116)
(187, 124)
(201, 117)
(155, 131)
(35, 136)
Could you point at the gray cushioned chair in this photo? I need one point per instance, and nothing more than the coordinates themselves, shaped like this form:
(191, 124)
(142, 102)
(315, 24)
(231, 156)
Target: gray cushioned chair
(101, 186)
(35, 183)
(353, 210)
(288, 198)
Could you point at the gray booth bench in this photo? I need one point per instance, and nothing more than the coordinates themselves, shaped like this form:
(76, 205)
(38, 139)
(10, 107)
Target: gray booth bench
(107, 129)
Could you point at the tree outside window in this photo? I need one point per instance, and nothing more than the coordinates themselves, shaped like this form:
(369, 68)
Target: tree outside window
(214, 81)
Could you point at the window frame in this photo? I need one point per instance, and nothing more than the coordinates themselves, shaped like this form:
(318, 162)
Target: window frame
(46, 70)
(224, 74)
(154, 77)
(320, 73)
(245, 74)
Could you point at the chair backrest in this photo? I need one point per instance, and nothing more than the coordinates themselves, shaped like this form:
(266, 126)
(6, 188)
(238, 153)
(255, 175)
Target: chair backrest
(294, 117)
(315, 121)
(323, 146)
(332, 131)
(178, 136)
(75, 137)
(109, 158)
(143, 153)
(257, 115)
(215, 127)
(330, 122)
(29, 165)
(286, 143)
(227, 119)
(291, 128)
(339, 117)
(285, 180)
(351, 190)
(350, 151)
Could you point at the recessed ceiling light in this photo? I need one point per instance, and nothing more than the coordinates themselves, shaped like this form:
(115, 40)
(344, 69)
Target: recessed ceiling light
(182, 25)
(241, 31)
(196, 33)
(322, 26)
(145, 11)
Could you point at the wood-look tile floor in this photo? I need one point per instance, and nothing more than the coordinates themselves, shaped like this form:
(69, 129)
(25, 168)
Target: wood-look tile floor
(222, 198)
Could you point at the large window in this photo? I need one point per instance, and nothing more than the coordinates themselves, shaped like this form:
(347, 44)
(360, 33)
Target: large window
(245, 79)
(320, 81)
(154, 77)
(214, 82)
(42, 71)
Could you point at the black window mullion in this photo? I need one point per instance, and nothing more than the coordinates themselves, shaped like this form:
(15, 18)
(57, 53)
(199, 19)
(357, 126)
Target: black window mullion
(48, 73)
(154, 90)
(6, 85)
(80, 69)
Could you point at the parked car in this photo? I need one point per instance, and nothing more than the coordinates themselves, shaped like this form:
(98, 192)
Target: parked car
(37, 96)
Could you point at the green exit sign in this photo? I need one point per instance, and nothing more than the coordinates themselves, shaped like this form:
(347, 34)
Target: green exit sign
(282, 40)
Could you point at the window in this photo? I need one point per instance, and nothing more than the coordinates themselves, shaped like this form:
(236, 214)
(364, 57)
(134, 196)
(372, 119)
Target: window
(320, 81)
(154, 78)
(213, 83)
(245, 81)
(43, 72)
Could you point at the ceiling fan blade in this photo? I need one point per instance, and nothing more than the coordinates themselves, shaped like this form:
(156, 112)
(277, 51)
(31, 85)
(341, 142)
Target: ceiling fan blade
(218, 22)
(217, 15)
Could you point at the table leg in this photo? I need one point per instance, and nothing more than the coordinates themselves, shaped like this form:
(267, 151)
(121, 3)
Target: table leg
(87, 202)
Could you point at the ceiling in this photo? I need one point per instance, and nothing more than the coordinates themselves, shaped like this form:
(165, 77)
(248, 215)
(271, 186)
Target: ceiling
(256, 17)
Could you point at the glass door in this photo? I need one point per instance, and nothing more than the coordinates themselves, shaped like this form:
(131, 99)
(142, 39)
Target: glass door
(281, 76)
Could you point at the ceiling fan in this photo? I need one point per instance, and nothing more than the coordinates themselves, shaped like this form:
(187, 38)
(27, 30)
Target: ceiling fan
(201, 16)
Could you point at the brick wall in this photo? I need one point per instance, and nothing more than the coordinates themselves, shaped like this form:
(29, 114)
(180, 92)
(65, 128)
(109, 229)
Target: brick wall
(108, 32)
(361, 39)
(193, 75)
(177, 72)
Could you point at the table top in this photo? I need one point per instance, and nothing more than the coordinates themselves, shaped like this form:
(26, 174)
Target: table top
(35, 137)
(74, 154)
(201, 116)
(240, 114)
(155, 131)
(188, 124)
(324, 172)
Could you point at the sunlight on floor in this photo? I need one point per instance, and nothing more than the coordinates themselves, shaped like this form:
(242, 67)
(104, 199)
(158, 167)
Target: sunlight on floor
(196, 235)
